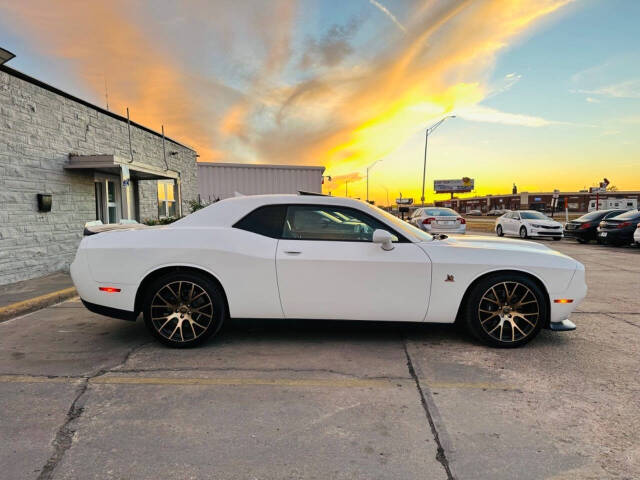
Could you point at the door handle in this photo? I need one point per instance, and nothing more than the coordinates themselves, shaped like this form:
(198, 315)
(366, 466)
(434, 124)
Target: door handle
(292, 252)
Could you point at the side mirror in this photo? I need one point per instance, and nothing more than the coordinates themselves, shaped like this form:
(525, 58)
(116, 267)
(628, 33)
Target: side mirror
(384, 238)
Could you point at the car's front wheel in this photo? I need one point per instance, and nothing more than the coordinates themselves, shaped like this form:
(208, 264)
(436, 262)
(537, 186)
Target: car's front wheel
(184, 309)
(523, 232)
(505, 310)
(499, 231)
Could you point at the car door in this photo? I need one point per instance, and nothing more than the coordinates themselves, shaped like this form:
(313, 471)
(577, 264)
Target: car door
(514, 223)
(329, 268)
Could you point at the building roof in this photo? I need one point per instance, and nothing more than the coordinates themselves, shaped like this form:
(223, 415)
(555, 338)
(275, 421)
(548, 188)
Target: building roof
(57, 91)
(260, 165)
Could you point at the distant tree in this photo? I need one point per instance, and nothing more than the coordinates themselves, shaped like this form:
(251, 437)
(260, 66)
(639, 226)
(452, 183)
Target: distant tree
(612, 188)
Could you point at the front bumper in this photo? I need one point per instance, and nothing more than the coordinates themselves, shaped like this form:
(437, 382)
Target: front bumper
(545, 232)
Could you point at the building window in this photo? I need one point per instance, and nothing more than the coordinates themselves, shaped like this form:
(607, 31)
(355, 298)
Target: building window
(166, 198)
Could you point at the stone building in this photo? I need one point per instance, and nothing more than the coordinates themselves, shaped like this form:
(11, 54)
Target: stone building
(90, 163)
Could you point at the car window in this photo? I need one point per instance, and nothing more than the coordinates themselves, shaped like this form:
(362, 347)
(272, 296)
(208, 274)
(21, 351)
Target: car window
(441, 212)
(325, 222)
(630, 215)
(533, 216)
(613, 214)
(267, 221)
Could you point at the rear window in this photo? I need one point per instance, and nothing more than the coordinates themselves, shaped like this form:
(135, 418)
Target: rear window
(630, 215)
(440, 212)
(267, 221)
(592, 216)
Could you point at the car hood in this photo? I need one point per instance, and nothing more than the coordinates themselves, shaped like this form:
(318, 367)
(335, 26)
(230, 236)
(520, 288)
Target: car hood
(550, 223)
(496, 243)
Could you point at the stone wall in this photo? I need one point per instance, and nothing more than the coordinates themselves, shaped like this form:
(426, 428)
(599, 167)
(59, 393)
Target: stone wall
(39, 128)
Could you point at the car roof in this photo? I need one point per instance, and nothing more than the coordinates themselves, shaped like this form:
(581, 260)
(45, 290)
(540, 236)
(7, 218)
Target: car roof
(228, 211)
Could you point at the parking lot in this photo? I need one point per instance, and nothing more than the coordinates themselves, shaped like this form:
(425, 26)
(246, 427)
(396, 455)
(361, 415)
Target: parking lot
(85, 396)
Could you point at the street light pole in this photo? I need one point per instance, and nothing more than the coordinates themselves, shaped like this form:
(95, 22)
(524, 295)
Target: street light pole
(426, 140)
(370, 166)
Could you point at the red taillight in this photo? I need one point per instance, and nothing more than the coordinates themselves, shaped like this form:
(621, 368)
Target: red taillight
(623, 224)
(109, 289)
(585, 225)
(428, 220)
(462, 220)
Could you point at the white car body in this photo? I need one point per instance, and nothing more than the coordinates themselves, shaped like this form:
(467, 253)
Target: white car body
(420, 279)
(636, 235)
(513, 222)
(433, 220)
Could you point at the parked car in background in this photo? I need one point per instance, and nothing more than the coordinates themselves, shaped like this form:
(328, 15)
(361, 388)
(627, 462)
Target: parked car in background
(438, 220)
(585, 227)
(619, 230)
(289, 254)
(496, 212)
(528, 223)
(474, 213)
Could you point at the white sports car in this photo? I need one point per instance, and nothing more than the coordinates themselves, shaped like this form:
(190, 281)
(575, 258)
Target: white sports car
(319, 257)
(528, 223)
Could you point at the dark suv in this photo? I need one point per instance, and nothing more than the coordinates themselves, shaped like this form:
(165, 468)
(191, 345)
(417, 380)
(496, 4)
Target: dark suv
(619, 230)
(585, 228)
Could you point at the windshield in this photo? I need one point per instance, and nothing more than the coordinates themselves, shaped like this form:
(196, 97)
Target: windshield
(440, 212)
(631, 214)
(533, 216)
(593, 215)
(403, 226)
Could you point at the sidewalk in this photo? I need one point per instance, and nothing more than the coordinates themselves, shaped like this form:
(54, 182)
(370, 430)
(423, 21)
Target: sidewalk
(30, 295)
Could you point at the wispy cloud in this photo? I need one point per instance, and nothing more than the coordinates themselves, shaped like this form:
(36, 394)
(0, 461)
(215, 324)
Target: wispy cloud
(479, 113)
(626, 89)
(386, 11)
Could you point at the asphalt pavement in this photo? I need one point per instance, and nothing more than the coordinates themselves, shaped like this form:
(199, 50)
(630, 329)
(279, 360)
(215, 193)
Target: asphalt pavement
(87, 397)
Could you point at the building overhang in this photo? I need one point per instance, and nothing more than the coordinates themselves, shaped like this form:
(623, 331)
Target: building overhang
(113, 164)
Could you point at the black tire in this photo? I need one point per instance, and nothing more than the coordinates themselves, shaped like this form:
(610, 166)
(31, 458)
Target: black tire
(483, 316)
(523, 232)
(557, 238)
(187, 298)
(499, 231)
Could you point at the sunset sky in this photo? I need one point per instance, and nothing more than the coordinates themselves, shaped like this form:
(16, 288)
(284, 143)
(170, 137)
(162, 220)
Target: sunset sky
(546, 93)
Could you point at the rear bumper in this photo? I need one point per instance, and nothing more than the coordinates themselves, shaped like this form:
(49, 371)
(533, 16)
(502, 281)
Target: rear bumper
(581, 234)
(615, 236)
(110, 312)
(457, 229)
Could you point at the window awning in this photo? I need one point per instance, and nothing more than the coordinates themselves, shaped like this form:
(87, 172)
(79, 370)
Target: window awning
(113, 164)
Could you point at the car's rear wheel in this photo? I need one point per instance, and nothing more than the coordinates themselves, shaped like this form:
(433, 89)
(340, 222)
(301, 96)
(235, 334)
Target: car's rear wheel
(505, 310)
(184, 309)
(499, 231)
(523, 232)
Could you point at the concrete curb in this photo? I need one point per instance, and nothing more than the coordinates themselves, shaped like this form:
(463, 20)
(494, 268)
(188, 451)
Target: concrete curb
(32, 304)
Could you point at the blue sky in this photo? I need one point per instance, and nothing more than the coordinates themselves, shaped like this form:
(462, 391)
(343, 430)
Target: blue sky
(546, 93)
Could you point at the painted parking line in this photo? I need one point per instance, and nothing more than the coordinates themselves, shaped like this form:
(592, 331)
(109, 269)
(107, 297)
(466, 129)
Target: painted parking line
(278, 382)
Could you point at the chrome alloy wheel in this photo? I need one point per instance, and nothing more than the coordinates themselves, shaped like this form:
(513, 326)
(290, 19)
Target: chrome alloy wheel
(181, 311)
(509, 311)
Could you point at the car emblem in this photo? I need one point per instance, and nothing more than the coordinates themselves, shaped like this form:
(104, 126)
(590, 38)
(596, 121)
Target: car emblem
(449, 278)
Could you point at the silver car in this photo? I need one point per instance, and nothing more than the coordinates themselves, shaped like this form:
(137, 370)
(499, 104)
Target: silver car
(438, 220)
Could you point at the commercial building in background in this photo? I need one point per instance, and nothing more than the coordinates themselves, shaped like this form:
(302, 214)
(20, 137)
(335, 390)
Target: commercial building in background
(542, 201)
(217, 181)
(64, 162)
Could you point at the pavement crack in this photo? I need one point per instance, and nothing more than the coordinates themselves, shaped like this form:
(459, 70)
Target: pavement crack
(263, 370)
(622, 320)
(66, 432)
(441, 455)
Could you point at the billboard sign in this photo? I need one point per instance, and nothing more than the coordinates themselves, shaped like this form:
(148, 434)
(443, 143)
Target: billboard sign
(464, 184)
(404, 201)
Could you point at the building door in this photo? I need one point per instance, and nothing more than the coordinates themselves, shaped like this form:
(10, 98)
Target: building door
(108, 199)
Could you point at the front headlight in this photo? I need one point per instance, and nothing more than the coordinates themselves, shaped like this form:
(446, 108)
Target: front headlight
(535, 225)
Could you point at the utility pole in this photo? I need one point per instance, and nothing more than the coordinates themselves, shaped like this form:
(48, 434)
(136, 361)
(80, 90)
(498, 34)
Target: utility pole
(426, 140)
